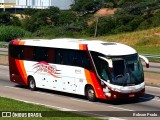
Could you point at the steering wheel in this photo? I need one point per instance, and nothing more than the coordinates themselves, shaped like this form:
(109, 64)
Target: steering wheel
(120, 75)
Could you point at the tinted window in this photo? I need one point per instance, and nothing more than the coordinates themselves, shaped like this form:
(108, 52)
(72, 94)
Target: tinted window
(72, 57)
(82, 60)
(40, 54)
(28, 52)
(16, 51)
(51, 55)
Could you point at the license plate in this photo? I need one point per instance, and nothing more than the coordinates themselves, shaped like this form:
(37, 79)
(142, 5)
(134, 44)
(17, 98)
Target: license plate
(131, 95)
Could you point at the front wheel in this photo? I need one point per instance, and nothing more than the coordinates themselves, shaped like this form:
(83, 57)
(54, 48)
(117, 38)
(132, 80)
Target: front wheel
(90, 94)
(32, 84)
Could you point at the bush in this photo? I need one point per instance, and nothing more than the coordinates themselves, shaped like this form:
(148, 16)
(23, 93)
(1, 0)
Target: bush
(54, 32)
(145, 24)
(104, 26)
(156, 20)
(8, 33)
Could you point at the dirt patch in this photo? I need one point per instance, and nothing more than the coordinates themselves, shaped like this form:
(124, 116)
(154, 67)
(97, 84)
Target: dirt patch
(152, 79)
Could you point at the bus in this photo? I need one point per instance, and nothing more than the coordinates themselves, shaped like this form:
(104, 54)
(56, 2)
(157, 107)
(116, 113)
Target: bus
(91, 68)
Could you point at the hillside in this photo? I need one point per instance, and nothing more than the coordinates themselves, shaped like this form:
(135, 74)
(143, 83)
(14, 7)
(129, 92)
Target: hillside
(145, 41)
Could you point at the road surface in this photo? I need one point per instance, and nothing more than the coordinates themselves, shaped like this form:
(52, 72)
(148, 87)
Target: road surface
(149, 102)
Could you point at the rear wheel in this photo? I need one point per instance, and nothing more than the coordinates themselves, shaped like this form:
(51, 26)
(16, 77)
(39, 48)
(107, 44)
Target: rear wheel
(90, 94)
(32, 84)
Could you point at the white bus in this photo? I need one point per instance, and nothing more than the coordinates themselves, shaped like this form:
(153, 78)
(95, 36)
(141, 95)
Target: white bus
(95, 69)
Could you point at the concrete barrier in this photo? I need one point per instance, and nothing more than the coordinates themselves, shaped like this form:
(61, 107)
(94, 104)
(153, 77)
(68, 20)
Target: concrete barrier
(3, 59)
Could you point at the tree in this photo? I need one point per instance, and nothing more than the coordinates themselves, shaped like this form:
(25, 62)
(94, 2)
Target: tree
(41, 18)
(67, 18)
(83, 7)
(30, 11)
(105, 26)
(53, 14)
(5, 18)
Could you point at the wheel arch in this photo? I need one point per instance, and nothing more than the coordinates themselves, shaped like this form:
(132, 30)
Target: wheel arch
(86, 86)
(29, 76)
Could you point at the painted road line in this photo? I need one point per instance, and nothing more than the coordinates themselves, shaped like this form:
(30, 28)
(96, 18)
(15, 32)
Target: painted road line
(153, 87)
(13, 87)
(79, 100)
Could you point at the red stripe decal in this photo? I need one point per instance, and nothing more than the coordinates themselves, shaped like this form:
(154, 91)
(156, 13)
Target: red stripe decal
(83, 47)
(92, 80)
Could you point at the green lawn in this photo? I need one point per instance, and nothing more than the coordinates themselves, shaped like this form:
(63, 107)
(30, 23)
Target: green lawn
(7, 104)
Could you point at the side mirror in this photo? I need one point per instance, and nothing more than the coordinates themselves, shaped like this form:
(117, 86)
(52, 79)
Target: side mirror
(145, 60)
(109, 61)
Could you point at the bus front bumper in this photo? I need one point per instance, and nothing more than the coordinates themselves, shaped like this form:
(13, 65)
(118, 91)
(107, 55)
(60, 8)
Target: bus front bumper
(121, 96)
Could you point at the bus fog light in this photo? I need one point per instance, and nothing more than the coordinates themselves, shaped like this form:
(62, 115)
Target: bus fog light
(114, 96)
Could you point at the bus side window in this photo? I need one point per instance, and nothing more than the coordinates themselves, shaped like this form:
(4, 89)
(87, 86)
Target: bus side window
(58, 57)
(51, 55)
(40, 54)
(28, 53)
(64, 56)
(67, 57)
(16, 51)
(82, 60)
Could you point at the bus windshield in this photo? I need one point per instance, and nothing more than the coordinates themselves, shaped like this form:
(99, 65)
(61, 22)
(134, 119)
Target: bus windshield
(127, 70)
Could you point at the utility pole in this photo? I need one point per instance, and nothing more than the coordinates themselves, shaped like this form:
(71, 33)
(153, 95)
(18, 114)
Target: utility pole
(4, 9)
(96, 27)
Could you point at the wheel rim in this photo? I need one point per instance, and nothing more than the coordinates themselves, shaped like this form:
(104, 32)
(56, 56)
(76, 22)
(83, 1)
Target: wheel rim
(32, 85)
(90, 93)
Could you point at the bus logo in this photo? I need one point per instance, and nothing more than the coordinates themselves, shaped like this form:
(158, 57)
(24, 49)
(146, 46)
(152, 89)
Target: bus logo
(46, 68)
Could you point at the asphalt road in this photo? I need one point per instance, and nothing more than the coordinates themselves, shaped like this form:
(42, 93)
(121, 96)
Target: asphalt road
(68, 102)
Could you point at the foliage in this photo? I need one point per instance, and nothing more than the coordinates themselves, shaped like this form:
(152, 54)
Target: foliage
(30, 11)
(133, 15)
(156, 20)
(83, 7)
(54, 32)
(41, 18)
(8, 33)
(67, 17)
(104, 26)
(130, 15)
(7, 19)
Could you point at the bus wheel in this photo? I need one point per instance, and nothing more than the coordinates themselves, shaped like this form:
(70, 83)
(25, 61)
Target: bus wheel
(90, 94)
(32, 84)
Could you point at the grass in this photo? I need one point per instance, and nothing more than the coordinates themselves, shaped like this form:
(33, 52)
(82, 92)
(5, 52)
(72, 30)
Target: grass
(7, 104)
(148, 37)
(145, 41)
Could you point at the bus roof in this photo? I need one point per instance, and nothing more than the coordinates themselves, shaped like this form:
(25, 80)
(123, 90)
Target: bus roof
(107, 48)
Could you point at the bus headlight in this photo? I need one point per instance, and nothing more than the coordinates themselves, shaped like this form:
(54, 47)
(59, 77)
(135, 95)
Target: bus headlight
(108, 94)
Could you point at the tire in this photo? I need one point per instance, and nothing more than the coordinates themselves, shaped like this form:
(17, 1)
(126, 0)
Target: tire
(32, 84)
(90, 94)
